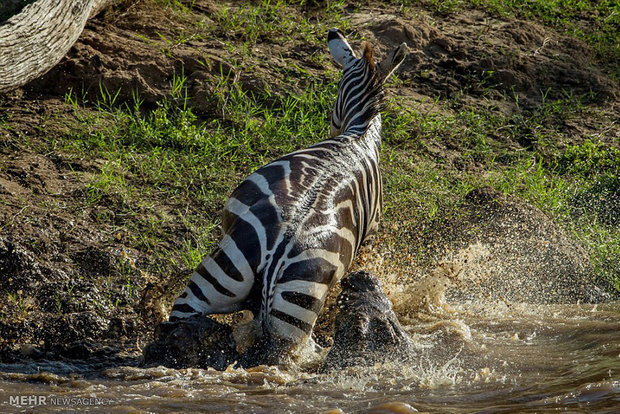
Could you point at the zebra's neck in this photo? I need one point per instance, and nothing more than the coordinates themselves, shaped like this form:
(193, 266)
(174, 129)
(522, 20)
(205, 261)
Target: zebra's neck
(368, 133)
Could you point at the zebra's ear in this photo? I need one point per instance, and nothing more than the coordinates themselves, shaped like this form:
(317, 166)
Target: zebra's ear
(392, 61)
(339, 48)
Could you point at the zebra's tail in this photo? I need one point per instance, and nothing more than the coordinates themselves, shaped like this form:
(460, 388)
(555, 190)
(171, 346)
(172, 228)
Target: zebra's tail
(270, 281)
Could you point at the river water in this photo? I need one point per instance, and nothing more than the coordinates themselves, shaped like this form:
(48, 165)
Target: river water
(487, 358)
(472, 355)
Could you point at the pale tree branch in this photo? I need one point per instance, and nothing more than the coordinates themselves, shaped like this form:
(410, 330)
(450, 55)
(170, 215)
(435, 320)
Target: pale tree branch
(35, 40)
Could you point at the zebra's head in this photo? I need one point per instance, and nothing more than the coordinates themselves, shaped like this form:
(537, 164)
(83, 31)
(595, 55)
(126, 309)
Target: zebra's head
(359, 90)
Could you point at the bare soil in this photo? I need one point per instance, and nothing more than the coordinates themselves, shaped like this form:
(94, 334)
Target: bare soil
(59, 267)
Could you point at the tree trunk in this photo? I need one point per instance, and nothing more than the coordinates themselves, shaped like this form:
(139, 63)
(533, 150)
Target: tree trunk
(35, 40)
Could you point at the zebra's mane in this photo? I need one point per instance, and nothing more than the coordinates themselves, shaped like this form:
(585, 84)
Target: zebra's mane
(369, 56)
(376, 86)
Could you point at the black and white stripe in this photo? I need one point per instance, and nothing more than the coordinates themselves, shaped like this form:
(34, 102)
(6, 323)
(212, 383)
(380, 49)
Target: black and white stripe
(293, 227)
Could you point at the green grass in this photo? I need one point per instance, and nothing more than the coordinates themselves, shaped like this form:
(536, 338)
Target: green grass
(168, 154)
(275, 21)
(577, 185)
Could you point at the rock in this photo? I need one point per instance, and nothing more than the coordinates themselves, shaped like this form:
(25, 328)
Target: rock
(72, 327)
(200, 341)
(392, 408)
(366, 328)
(194, 342)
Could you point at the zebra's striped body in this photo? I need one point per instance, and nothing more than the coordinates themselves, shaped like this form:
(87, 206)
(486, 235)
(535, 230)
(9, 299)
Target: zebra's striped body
(293, 227)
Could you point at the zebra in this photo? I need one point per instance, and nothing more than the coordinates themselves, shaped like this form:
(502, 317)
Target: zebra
(293, 227)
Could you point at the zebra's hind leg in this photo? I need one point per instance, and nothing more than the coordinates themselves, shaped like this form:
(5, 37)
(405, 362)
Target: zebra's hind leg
(220, 284)
(288, 326)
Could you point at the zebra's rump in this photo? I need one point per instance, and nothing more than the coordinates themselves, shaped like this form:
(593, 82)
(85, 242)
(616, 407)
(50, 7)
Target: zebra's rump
(306, 215)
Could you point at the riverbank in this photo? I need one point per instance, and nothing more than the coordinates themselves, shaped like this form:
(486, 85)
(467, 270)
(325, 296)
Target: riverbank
(500, 156)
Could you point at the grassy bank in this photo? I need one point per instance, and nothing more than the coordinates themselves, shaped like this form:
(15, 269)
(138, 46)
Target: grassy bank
(152, 174)
(529, 153)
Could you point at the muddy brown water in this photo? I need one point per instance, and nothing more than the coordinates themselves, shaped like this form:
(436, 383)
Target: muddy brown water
(471, 357)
